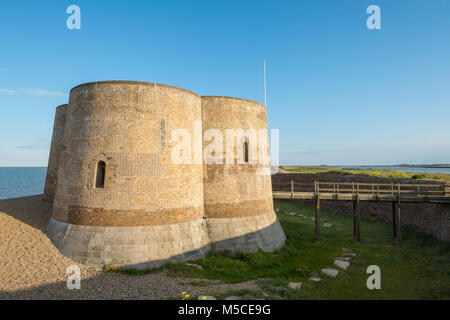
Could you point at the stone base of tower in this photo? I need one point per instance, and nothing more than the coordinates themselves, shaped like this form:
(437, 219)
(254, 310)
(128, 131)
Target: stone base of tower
(131, 247)
(148, 247)
(246, 234)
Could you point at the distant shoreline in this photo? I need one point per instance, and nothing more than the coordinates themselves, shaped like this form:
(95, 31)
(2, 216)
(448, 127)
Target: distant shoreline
(23, 166)
(432, 166)
(401, 172)
(438, 166)
(424, 166)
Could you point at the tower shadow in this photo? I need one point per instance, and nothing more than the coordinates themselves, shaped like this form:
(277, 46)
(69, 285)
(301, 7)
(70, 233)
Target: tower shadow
(31, 210)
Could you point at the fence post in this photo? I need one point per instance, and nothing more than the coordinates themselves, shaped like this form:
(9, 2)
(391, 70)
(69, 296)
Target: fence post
(399, 231)
(317, 217)
(292, 189)
(356, 233)
(394, 220)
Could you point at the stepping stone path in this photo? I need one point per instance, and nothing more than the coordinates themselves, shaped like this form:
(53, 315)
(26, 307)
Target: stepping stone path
(292, 213)
(206, 298)
(277, 209)
(330, 272)
(194, 265)
(295, 285)
(342, 264)
(327, 225)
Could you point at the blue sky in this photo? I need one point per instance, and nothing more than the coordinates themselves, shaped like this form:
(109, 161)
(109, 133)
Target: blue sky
(339, 92)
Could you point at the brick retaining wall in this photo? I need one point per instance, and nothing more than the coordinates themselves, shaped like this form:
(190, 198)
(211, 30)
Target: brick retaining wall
(432, 219)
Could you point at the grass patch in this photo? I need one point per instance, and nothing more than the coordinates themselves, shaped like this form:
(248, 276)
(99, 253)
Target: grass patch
(382, 173)
(416, 268)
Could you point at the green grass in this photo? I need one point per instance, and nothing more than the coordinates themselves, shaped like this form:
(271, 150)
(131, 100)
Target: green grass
(383, 173)
(416, 268)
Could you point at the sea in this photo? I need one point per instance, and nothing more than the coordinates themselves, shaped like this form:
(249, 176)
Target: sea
(18, 182)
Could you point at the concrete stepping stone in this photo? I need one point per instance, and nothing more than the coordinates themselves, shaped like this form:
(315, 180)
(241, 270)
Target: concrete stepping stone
(295, 285)
(342, 264)
(313, 218)
(330, 272)
(292, 213)
(315, 278)
(206, 298)
(233, 298)
(344, 258)
(194, 265)
(327, 225)
(277, 209)
(349, 255)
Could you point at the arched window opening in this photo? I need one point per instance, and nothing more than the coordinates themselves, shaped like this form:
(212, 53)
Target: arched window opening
(100, 176)
(246, 151)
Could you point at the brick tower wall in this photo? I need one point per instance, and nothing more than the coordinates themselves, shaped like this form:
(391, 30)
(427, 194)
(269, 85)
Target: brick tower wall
(55, 151)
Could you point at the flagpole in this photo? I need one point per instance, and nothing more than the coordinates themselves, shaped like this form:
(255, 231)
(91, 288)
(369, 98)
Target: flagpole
(265, 95)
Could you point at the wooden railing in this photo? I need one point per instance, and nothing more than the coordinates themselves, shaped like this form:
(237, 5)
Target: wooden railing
(427, 190)
(358, 191)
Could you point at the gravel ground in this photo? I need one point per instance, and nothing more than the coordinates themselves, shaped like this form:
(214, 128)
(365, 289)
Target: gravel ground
(32, 268)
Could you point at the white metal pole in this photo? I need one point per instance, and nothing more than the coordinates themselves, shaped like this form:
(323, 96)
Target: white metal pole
(265, 95)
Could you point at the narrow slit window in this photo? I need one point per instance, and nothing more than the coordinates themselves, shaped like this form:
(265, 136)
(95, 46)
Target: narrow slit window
(246, 151)
(101, 172)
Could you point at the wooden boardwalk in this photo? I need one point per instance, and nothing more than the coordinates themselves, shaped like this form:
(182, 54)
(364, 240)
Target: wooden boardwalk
(356, 192)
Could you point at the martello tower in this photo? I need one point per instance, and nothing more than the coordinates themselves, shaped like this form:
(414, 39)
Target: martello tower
(118, 196)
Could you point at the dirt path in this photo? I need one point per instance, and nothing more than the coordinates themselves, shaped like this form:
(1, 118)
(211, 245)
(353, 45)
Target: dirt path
(32, 268)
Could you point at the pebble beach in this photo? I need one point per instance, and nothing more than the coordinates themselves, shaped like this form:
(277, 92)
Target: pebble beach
(32, 268)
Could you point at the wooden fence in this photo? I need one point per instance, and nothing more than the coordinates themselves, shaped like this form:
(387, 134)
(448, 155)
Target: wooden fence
(358, 191)
(425, 190)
